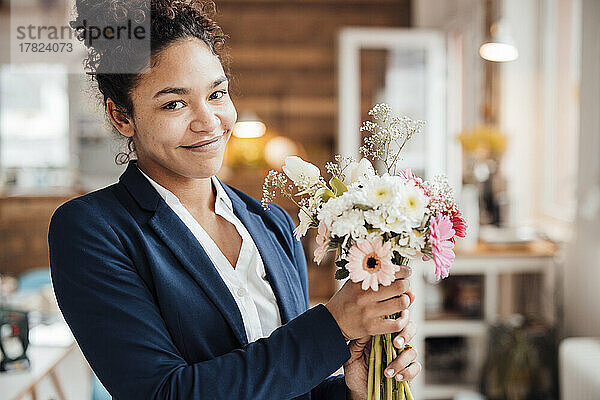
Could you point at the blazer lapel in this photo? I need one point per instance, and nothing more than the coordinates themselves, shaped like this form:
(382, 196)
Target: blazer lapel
(182, 242)
(192, 256)
(277, 268)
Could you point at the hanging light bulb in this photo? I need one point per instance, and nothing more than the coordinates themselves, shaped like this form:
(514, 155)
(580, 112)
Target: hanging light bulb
(249, 126)
(501, 47)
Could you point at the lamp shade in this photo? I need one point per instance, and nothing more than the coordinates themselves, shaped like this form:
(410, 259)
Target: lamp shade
(249, 126)
(501, 47)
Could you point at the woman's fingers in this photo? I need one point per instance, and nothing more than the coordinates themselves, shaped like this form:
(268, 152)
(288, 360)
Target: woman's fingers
(382, 326)
(409, 373)
(411, 295)
(358, 346)
(360, 312)
(404, 367)
(392, 306)
(405, 272)
(405, 335)
(396, 288)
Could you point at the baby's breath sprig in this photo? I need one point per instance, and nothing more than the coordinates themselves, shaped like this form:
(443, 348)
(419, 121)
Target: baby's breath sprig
(338, 167)
(441, 195)
(333, 168)
(386, 130)
(277, 183)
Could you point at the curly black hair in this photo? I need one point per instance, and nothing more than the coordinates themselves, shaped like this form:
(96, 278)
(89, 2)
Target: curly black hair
(169, 21)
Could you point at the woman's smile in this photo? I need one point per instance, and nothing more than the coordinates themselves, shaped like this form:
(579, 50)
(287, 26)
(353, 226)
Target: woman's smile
(209, 144)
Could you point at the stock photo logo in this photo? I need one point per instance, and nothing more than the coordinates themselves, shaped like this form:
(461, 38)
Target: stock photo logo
(57, 35)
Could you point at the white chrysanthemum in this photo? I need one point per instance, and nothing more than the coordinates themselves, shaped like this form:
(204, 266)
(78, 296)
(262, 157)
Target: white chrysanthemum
(379, 191)
(397, 221)
(410, 243)
(402, 240)
(417, 239)
(407, 252)
(414, 203)
(351, 222)
(333, 208)
(401, 244)
(377, 219)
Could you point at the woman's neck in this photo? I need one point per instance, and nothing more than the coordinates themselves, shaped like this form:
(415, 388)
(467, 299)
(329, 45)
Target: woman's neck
(197, 195)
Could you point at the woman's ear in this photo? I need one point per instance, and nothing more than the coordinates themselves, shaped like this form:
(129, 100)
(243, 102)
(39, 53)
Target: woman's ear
(119, 119)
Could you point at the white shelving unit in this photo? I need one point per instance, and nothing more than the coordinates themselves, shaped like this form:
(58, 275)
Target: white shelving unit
(490, 265)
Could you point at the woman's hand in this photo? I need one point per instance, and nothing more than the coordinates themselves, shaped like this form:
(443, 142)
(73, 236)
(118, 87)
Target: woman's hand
(360, 313)
(357, 367)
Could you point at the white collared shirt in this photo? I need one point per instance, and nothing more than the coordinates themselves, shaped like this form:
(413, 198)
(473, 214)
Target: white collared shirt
(247, 282)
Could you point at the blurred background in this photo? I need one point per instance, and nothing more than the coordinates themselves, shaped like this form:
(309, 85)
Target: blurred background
(510, 90)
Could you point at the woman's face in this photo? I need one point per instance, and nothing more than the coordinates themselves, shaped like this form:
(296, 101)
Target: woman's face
(183, 113)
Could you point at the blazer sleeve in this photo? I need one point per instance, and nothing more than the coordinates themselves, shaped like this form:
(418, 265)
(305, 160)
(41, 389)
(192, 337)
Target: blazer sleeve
(118, 326)
(333, 387)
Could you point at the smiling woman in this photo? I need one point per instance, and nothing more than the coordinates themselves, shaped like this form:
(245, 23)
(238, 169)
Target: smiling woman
(175, 285)
(183, 115)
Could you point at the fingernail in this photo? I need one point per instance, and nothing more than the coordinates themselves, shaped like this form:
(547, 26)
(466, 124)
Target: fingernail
(399, 377)
(390, 372)
(399, 341)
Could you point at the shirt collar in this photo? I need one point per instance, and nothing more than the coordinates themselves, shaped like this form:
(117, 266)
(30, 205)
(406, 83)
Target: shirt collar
(170, 198)
(221, 193)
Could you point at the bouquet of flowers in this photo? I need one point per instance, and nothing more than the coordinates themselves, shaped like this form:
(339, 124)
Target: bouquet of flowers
(374, 222)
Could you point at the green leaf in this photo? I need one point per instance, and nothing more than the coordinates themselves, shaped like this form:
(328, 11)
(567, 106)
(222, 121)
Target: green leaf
(342, 273)
(341, 263)
(363, 207)
(397, 259)
(338, 186)
(336, 239)
(325, 194)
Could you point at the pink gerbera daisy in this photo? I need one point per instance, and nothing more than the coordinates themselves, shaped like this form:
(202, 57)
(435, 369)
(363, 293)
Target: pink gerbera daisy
(459, 224)
(408, 175)
(322, 240)
(370, 261)
(440, 235)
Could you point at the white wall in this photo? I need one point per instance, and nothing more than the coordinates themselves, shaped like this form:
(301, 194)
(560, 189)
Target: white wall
(519, 109)
(582, 270)
(465, 18)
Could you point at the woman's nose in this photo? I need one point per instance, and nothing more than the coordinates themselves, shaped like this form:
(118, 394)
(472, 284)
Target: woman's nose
(205, 120)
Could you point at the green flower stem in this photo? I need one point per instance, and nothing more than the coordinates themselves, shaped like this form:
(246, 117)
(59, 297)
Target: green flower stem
(389, 382)
(379, 386)
(406, 386)
(289, 196)
(378, 367)
(371, 370)
(398, 389)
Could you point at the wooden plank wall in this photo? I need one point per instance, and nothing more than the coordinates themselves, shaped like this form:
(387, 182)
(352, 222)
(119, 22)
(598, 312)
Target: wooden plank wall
(24, 231)
(284, 63)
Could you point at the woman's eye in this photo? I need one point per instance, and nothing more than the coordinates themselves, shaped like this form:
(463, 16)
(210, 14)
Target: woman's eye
(222, 92)
(173, 105)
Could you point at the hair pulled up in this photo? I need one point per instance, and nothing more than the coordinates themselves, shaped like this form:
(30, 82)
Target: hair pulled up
(168, 21)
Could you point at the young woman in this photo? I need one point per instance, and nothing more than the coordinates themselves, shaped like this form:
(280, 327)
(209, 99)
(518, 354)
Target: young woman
(177, 286)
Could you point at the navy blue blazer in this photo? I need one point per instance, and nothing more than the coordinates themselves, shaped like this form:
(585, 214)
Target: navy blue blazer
(155, 320)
